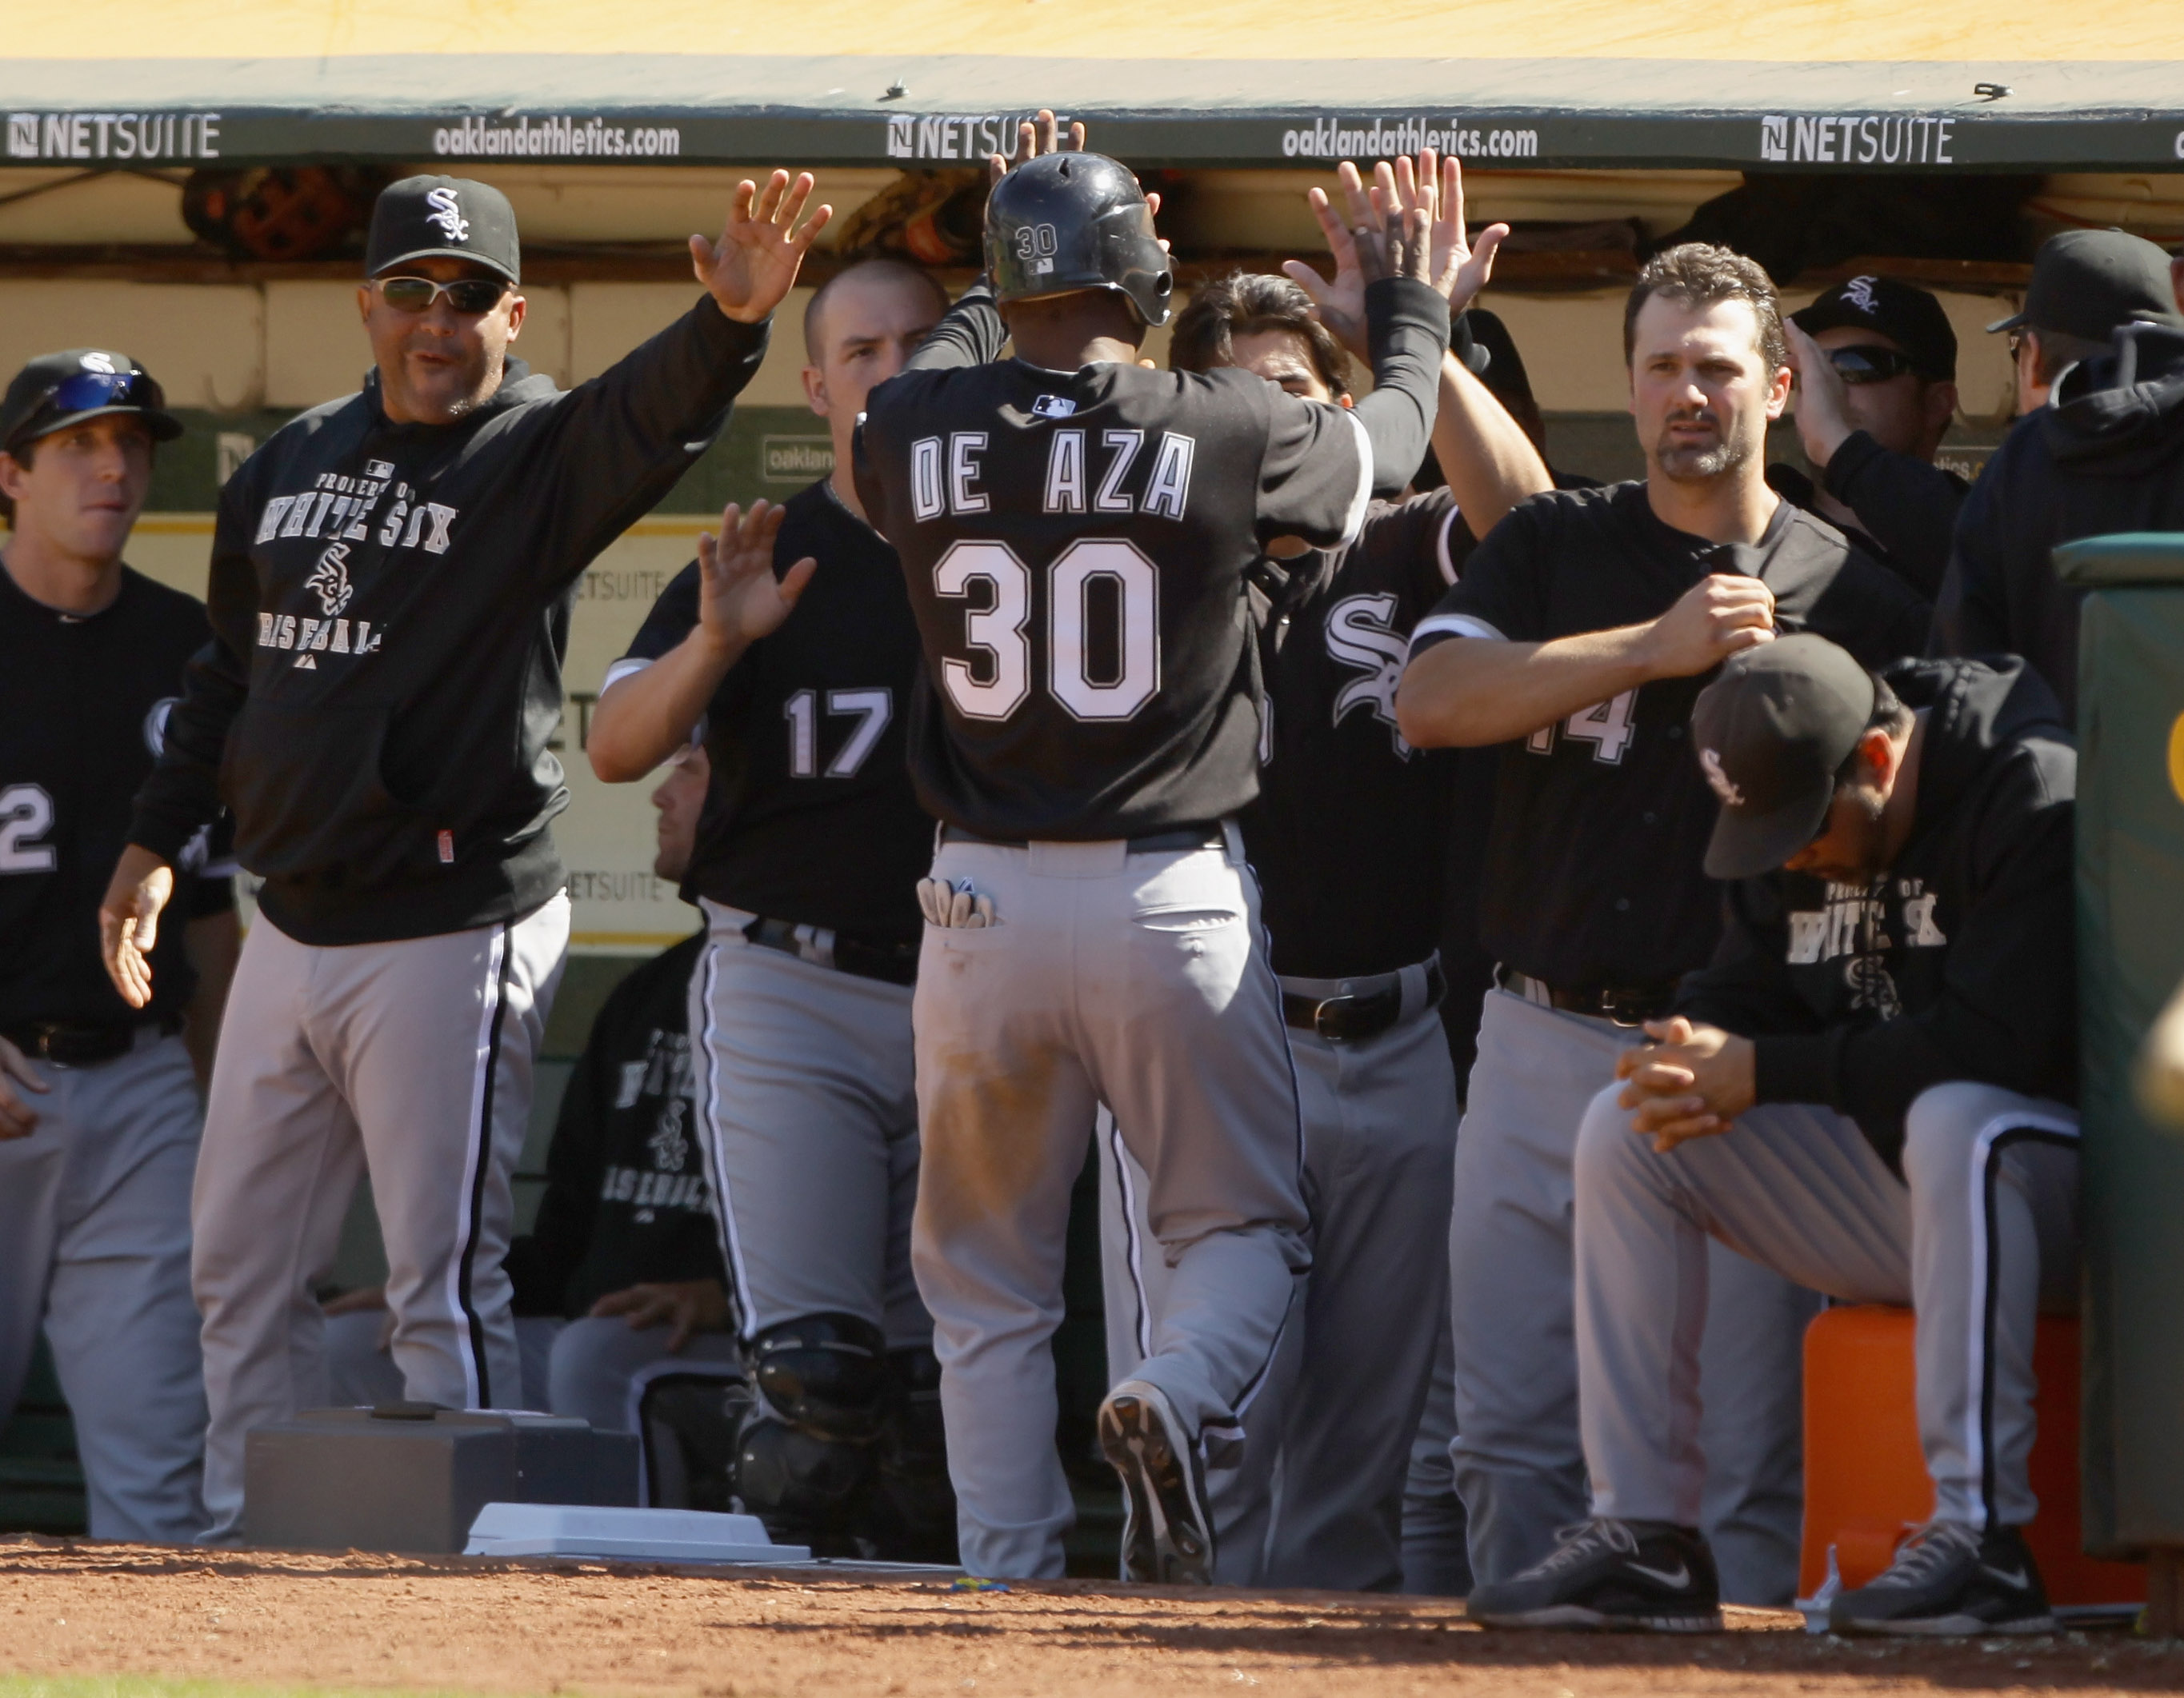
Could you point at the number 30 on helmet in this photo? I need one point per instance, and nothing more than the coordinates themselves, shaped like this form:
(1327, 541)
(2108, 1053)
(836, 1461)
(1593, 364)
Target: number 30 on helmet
(1064, 222)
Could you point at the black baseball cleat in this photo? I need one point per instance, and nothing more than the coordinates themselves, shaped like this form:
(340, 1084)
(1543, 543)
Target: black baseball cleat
(1645, 1576)
(1167, 1536)
(1951, 1580)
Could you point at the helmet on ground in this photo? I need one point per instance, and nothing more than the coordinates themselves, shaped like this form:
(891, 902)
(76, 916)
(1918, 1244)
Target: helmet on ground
(1064, 222)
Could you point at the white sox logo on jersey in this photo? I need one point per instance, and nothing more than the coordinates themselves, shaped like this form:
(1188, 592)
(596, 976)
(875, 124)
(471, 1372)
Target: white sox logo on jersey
(330, 578)
(1361, 633)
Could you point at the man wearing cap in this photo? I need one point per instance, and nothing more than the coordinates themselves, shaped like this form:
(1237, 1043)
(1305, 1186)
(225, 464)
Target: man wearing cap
(2105, 454)
(99, 1104)
(1869, 1091)
(1876, 365)
(391, 579)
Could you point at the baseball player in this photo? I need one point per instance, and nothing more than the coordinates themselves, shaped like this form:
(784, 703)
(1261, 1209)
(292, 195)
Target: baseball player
(1577, 639)
(391, 579)
(619, 1281)
(99, 1104)
(1349, 836)
(790, 641)
(1868, 1089)
(1075, 530)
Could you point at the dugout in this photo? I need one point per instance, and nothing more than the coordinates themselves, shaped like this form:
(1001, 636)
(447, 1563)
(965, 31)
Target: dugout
(188, 182)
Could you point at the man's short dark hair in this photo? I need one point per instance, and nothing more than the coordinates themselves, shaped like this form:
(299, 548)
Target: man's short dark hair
(865, 268)
(1889, 715)
(1249, 303)
(1698, 274)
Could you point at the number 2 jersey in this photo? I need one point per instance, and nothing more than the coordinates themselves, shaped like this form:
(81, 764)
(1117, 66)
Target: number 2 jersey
(1075, 545)
(1594, 865)
(809, 817)
(83, 713)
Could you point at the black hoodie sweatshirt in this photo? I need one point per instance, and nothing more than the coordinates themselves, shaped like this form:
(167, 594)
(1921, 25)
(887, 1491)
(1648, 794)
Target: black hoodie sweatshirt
(390, 609)
(1956, 964)
(2108, 456)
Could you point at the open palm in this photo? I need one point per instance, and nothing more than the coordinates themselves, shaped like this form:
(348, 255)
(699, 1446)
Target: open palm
(752, 267)
(739, 599)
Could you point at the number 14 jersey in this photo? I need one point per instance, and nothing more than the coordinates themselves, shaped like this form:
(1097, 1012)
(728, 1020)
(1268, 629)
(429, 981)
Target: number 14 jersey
(1074, 545)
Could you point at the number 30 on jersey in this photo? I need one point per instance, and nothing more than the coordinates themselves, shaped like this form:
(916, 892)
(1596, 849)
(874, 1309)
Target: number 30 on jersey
(996, 686)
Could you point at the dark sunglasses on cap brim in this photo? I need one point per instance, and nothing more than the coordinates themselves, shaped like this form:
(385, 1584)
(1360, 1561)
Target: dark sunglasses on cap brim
(92, 392)
(472, 297)
(1865, 363)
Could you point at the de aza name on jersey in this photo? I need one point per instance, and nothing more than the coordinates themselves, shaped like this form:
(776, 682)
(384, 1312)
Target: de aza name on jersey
(946, 477)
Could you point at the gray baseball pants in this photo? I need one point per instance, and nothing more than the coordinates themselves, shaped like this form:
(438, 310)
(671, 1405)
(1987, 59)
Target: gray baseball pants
(1134, 1276)
(808, 1120)
(1519, 1453)
(1379, 1132)
(1139, 981)
(412, 1060)
(360, 1369)
(1436, 1549)
(1977, 1236)
(95, 1248)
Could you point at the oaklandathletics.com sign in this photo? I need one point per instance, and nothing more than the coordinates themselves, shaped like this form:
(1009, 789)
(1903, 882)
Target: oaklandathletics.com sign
(1382, 138)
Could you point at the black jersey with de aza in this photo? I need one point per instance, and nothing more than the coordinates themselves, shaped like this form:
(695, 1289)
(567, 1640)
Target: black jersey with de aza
(390, 606)
(811, 816)
(625, 1202)
(1600, 820)
(1348, 835)
(83, 708)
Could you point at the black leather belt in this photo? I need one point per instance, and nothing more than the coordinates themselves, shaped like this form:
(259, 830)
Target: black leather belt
(869, 957)
(82, 1043)
(1625, 1005)
(1170, 842)
(1367, 1010)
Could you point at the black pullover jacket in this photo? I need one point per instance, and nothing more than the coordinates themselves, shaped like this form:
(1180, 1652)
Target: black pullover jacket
(2108, 456)
(390, 609)
(1957, 963)
(1907, 508)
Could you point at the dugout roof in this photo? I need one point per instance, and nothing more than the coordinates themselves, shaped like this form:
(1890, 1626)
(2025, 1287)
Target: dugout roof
(1877, 84)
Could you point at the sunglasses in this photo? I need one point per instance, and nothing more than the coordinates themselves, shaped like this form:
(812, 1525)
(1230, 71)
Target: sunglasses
(469, 296)
(1864, 363)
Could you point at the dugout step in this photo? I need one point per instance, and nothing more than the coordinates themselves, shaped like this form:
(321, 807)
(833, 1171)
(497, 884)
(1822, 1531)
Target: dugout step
(412, 1478)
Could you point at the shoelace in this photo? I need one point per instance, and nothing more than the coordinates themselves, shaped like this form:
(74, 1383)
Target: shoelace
(1581, 1540)
(1932, 1548)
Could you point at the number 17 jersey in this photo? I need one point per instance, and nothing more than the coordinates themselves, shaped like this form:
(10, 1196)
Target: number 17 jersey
(1074, 545)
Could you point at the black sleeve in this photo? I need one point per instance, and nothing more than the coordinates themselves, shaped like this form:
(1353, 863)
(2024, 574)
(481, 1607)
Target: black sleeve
(1971, 609)
(541, 1263)
(1906, 505)
(617, 443)
(1407, 330)
(1419, 545)
(180, 796)
(970, 334)
(673, 617)
(2008, 1013)
(1500, 595)
(1746, 989)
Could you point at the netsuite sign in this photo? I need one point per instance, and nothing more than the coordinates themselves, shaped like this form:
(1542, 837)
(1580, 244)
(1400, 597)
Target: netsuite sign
(1863, 139)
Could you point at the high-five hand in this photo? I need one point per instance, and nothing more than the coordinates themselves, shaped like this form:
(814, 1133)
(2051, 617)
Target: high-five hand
(753, 265)
(739, 599)
(1460, 265)
(1035, 136)
(1357, 240)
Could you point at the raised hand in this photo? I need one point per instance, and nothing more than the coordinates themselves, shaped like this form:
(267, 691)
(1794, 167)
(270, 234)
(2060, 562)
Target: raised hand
(739, 599)
(1713, 619)
(129, 921)
(1357, 240)
(1460, 266)
(753, 265)
(1035, 136)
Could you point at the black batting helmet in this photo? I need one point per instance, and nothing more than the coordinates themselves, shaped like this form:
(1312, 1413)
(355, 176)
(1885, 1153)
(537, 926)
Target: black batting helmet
(1063, 222)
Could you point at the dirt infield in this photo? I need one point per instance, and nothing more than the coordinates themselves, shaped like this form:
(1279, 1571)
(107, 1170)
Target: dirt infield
(69, 1609)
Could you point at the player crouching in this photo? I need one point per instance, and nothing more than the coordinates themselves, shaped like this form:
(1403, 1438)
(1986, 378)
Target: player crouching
(1866, 1092)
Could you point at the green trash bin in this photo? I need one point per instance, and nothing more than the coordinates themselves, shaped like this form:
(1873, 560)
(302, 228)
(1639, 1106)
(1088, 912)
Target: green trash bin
(2131, 957)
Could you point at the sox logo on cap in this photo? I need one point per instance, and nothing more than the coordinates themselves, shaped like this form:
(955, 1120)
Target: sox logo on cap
(447, 213)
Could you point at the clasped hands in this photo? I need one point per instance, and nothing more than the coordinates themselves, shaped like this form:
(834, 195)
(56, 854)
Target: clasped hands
(1689, 1082)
